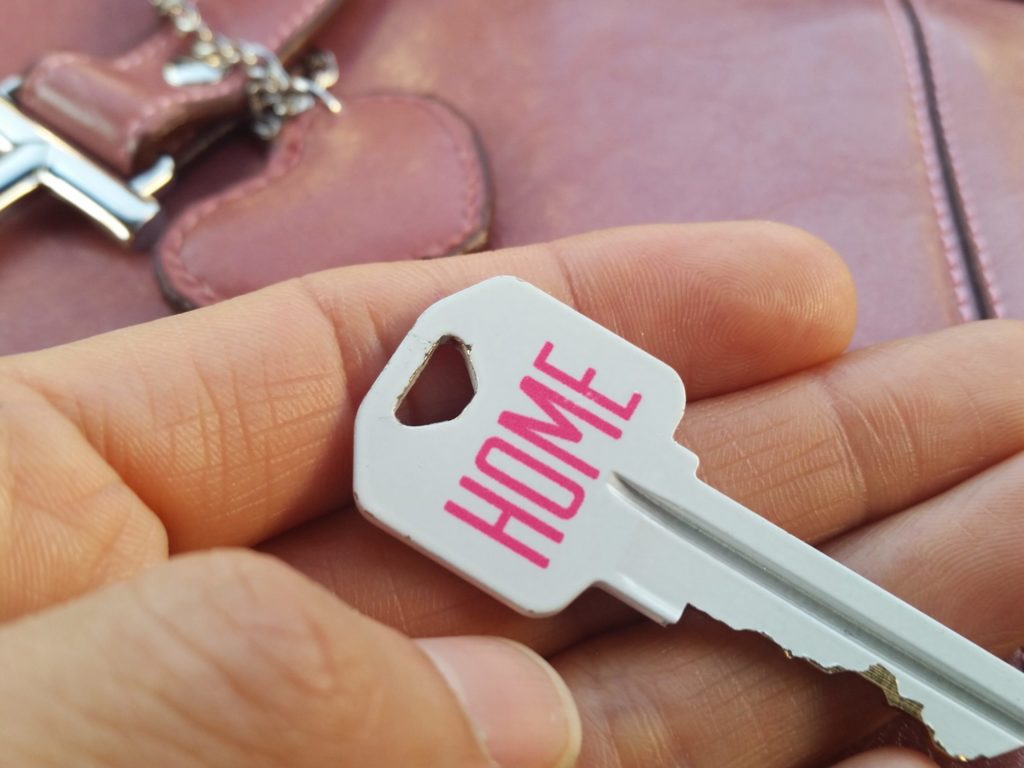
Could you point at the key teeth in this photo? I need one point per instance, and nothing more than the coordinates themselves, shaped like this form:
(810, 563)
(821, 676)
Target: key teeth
(890, 687)
(886, 680)
(882, 678)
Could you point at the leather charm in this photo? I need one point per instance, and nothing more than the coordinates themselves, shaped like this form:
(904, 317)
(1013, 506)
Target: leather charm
(393, 177)
(124, 113)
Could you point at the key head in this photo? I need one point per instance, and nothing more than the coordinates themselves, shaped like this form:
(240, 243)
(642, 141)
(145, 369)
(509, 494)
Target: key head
(516, 494)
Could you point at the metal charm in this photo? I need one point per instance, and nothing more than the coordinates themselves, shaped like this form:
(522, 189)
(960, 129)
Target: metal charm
(275, 93)
(32, 156)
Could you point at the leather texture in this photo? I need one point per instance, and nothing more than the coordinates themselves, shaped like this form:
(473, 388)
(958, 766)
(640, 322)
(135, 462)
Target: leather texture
(812, 113)
(979, 61)
(403, 159)
(804, 112)
(123, 112)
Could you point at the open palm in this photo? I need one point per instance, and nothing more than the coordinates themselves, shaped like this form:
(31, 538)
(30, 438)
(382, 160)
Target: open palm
(232, 427)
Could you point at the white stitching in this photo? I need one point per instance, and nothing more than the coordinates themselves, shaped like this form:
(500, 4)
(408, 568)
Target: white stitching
(172, 250)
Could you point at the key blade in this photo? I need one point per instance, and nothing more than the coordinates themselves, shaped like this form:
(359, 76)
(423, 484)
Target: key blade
(751, 575)
(562, 473)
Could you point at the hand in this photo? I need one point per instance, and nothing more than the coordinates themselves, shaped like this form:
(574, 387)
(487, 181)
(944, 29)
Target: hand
(232, 425)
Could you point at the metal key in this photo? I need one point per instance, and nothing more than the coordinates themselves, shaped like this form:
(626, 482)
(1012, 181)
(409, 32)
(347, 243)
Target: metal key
(562, 473)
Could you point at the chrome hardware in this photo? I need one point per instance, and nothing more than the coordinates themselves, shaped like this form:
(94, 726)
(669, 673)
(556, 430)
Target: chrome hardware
(32, 156)
(275, 94)
(184, 71)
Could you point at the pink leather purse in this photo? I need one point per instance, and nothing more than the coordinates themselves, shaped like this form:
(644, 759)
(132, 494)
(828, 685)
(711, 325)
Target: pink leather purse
(893, 129)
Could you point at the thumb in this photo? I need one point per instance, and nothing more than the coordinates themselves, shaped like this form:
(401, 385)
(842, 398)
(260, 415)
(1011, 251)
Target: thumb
(232, 659)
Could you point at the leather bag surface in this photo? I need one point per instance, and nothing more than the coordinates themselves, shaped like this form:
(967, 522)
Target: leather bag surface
(890, 128)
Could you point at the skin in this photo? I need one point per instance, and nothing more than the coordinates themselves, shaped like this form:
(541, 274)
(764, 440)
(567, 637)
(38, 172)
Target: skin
(139, 467)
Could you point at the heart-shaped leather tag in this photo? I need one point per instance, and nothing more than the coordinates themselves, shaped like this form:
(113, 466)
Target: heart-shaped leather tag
(393, 177)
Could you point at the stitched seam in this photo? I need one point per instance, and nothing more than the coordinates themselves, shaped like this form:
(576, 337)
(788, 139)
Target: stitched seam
(981, 251)
(925, 133)
(172, 251)
(471, 176)
(185, 277)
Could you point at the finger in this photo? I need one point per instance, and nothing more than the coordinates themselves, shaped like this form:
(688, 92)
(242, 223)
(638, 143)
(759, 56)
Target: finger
(235, 422)
(819, 453)
(869, 434)
(232, 659)
(67, 522)
(382, 576)
(887, 758)
(956, 557)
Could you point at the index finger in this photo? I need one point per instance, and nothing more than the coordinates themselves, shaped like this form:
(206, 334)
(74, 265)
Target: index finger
(235, 422)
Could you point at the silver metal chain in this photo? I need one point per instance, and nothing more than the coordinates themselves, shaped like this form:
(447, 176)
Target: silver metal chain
(275, 94)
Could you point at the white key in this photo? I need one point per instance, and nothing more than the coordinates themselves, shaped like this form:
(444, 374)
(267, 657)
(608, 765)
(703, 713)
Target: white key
(562, 473)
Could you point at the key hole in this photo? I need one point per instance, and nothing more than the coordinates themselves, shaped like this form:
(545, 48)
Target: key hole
(441, 389)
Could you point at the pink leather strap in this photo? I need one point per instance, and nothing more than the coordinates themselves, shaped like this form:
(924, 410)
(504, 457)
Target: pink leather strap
(124, 113)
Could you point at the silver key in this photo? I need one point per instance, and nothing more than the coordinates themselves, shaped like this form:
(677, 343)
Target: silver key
(562, 473)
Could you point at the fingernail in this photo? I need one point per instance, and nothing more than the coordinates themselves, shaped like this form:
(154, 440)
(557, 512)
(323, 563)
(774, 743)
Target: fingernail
(521, 709)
